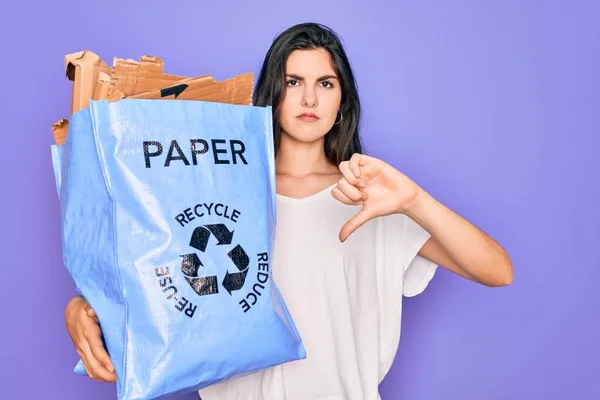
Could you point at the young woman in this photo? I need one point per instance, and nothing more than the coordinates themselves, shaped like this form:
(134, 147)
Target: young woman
(354, 236)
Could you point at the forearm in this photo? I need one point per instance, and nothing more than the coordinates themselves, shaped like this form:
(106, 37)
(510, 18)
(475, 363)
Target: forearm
(473, 251)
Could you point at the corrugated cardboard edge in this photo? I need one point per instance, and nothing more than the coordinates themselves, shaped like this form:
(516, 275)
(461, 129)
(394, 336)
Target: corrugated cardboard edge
(124, 74)
(114, 94)
(102, 87)
(134, 77)
(152, 64)
(83, 68)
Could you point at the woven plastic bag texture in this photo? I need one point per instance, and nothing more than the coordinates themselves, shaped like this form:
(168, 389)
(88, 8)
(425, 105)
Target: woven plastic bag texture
(168, 219)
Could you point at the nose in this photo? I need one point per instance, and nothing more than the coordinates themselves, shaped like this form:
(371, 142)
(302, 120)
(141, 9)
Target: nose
(309, 98)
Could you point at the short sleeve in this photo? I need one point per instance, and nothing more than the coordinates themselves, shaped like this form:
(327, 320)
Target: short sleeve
(418, 271)
(402, 273)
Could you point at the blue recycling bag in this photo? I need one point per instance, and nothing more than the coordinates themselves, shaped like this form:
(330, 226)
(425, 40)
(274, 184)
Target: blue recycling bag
(168, 219)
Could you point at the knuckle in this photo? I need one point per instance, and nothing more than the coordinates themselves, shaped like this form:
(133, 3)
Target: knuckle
(96, 374)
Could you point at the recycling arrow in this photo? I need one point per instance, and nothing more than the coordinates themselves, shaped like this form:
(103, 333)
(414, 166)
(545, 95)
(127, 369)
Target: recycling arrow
(202, 285)
(201, 235)
(221, 232)
(235, 281)
(190, 265)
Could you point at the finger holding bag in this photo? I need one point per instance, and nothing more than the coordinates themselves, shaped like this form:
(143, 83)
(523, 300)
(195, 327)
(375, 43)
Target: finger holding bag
(84, 330)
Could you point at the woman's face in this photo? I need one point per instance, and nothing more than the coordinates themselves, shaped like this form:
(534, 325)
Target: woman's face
(312, 96)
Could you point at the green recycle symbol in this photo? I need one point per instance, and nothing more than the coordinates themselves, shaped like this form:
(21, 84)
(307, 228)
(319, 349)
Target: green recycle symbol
(191, 264)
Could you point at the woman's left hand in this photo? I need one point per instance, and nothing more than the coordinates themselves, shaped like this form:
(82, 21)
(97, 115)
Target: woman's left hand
(377, 186)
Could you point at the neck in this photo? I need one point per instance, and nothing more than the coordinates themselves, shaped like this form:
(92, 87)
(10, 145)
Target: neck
(300, 159)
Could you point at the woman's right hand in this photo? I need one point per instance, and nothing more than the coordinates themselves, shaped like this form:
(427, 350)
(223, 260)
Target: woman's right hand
(84, 329)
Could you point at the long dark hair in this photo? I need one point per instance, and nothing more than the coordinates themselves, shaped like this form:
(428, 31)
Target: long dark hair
(343, 139)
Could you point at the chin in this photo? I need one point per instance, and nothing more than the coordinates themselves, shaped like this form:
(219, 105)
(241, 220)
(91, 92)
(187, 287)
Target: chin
(306, 134)
(307, 137)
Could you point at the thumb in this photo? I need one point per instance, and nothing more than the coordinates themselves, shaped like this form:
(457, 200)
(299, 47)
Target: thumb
(354, 223)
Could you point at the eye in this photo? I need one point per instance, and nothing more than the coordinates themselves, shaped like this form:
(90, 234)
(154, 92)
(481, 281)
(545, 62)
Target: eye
(292, 82)
(327, 84)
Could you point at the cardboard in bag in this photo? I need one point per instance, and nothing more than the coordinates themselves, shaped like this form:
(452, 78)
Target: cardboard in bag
(102, 87)
(93, 79)
(132, 77)
(83, 69)
(236, 90)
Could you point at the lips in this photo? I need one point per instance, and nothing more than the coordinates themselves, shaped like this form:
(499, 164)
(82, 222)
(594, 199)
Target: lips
(308, 117)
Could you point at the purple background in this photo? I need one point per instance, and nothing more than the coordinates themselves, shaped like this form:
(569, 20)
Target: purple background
(493, 107)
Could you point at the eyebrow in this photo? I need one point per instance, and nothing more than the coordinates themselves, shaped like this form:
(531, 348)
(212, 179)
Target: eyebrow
(323, 78)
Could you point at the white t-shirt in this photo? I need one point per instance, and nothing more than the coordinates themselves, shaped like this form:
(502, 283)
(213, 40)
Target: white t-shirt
(345, 299)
